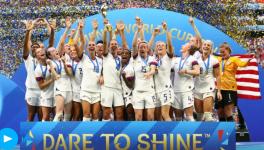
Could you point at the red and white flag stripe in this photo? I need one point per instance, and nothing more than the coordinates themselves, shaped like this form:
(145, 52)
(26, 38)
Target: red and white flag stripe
(248, 86)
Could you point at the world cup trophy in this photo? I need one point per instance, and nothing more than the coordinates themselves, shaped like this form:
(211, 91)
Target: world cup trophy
(104, 8)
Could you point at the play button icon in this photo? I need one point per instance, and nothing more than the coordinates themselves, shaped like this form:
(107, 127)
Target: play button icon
(8, 139)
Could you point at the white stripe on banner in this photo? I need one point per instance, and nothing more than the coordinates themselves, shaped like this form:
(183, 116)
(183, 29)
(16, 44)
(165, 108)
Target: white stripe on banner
(255, 68)
(248, 84)
(246, 92)
(250, 76)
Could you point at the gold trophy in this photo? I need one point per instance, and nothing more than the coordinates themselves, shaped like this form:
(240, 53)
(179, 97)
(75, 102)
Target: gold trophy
(104, 8)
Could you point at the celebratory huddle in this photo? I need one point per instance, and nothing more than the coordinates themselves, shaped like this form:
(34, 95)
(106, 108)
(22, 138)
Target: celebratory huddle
(88, 80)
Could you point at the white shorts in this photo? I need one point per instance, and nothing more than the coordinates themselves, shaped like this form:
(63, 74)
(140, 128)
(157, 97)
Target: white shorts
(67, 95)
(166, 97)
(47, 102)
(33, 101)
(183, 100)
(32, 93)
(143, 100)
(111, 97)
(91, 97)
(128, 100)
(76, 97)
(202, 96)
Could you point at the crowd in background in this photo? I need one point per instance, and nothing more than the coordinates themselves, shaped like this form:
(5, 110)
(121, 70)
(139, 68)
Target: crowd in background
(12, 14)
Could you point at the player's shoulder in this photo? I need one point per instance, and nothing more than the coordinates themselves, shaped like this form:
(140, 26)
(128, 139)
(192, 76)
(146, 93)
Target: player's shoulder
(192, 58)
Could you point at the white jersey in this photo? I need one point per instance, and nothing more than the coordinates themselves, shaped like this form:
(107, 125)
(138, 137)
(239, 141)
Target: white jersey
(185, 82)
(30, 65)
(162, 78)
(77, 71)
(42, 73)
(141, 67)
(129, 71)
(111, 71)
(205, 81)
(64, 82)
(91, 73)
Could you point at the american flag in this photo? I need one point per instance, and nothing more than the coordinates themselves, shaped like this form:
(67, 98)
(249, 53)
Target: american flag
(248, 86)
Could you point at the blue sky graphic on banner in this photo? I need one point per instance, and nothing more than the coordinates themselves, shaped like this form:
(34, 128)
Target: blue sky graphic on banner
(181, 32)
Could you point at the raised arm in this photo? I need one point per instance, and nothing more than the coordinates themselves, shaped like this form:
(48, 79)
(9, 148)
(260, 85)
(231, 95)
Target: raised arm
(121, 29)
(169, 41)
(135, 38)
(155, 32)
(81, 48)
(95, 28)
(64, 36)
(105, 49)
(197, 33)
(140, 24)
(52, 27)
(29, 27)
(68, 69)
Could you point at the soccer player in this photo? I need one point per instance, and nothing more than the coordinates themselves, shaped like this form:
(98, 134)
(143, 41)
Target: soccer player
(90, 87)
(163, 85)
(62, 86)
(144, 92)
(195, 41)
(45, 82)
(32, 95)
(204, 91)
(76, 65)
(228, 68)
(99, 43)
(185, 67)
(76, 80)
(111, 90)
(127, 76)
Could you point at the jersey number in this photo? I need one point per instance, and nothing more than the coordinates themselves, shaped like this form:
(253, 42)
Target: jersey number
(80, 69)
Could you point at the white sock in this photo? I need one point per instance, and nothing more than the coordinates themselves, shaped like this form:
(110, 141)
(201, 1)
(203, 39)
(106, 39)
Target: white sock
(67, 117)
(189, 118)
(43, 121)
(208, 116)
(106, 120)
(96, 120)
(200, 116)
(112, 116)
(86, 119)
(58, 117)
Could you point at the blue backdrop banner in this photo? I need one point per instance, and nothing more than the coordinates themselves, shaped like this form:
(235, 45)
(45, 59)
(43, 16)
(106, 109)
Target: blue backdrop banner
(128, 135)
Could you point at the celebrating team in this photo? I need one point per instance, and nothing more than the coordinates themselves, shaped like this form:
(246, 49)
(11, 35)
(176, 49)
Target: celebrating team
(91, 81)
